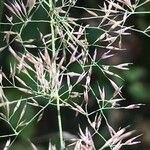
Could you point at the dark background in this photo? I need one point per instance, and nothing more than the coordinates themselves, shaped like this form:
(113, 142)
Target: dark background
(136, 89)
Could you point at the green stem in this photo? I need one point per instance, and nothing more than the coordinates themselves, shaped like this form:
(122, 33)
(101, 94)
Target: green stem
(142, 4)
(60, 124)
(53, 37)
(50, 4)
(56, 88)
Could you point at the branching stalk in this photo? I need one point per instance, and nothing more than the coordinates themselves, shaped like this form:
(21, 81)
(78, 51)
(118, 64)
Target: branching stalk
(52, 22)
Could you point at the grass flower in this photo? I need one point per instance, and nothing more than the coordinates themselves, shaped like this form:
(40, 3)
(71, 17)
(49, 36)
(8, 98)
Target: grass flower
(57, 68)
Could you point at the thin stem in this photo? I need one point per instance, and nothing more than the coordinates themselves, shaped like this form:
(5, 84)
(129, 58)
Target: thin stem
(142, 4)
(29, 122)
(139, 12)
(50, 4)
(53, 36)
(60, 124)
(52, 23)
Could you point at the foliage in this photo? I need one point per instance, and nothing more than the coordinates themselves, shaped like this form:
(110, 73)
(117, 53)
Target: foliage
(55, 67)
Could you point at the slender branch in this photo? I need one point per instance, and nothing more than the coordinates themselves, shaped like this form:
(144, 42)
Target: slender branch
(52, 23)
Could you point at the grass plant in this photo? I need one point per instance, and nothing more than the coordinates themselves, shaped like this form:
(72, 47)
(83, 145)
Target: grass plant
(49, 67)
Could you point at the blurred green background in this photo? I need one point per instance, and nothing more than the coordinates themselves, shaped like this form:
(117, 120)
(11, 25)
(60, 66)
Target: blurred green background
(136, 88)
